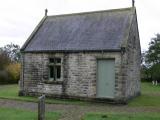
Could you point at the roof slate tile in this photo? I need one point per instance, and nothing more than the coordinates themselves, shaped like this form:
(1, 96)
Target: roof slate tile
(102, 30)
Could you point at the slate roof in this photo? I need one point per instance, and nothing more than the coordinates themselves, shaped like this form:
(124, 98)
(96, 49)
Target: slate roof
(90, 31)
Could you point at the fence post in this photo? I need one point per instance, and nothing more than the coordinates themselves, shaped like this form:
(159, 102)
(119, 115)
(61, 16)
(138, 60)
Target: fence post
(41, 107)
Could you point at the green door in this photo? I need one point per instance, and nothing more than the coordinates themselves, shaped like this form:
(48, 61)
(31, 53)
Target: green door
(105, 78)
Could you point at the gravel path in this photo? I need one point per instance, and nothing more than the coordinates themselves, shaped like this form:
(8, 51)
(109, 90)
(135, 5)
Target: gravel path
(75, 112)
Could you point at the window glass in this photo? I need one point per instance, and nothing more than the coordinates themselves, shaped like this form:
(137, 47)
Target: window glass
(51, 60)
(58, 60)
(55, 68)
(51, 71)
(58, 71)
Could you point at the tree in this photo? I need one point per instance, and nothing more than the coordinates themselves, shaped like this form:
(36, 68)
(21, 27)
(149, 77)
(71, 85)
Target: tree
(9, 64)
(12, 51)
(152, 58)
(4, 59)
(153, 54)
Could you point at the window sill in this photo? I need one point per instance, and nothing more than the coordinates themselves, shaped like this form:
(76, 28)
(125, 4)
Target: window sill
(53, 82)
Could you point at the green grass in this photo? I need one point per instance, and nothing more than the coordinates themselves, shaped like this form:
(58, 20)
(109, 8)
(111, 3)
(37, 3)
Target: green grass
(100, 116)
(150, 96)
(148, 88)
(11, 92)
(17, 114)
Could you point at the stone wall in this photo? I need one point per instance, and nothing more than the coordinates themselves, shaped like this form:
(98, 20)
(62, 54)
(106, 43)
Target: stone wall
(79, 71)
(133, 61)
(78, 74)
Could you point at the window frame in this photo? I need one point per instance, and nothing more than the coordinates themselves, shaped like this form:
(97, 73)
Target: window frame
(55, 64)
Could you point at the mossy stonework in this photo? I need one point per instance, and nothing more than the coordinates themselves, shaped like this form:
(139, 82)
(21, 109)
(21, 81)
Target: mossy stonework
(78, 75)
(78, 72)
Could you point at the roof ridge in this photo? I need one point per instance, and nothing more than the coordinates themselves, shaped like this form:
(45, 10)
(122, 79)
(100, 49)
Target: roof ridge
(90, 12)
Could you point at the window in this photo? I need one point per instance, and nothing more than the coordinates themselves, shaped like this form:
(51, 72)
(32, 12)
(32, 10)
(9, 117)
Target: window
(54, 68)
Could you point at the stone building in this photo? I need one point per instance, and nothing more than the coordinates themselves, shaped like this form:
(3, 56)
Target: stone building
(91, 56)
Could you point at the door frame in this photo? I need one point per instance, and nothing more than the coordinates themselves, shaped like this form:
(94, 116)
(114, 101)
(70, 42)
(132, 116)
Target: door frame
(97, 77)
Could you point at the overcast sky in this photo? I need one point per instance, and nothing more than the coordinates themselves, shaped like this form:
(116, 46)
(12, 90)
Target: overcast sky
(18, 18)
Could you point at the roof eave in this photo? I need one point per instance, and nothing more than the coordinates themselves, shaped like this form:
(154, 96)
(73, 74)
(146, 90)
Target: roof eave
(33, 33)
(126, 35)
(71, 51)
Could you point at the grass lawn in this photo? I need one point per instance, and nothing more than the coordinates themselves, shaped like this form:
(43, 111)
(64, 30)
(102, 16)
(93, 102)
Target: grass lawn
(150, 96)
(17, 114)
(11, 92)
(120, 117)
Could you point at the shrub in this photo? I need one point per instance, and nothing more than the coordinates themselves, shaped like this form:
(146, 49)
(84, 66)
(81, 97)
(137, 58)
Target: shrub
(13, 71)
(4, 59)
(3, 77)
